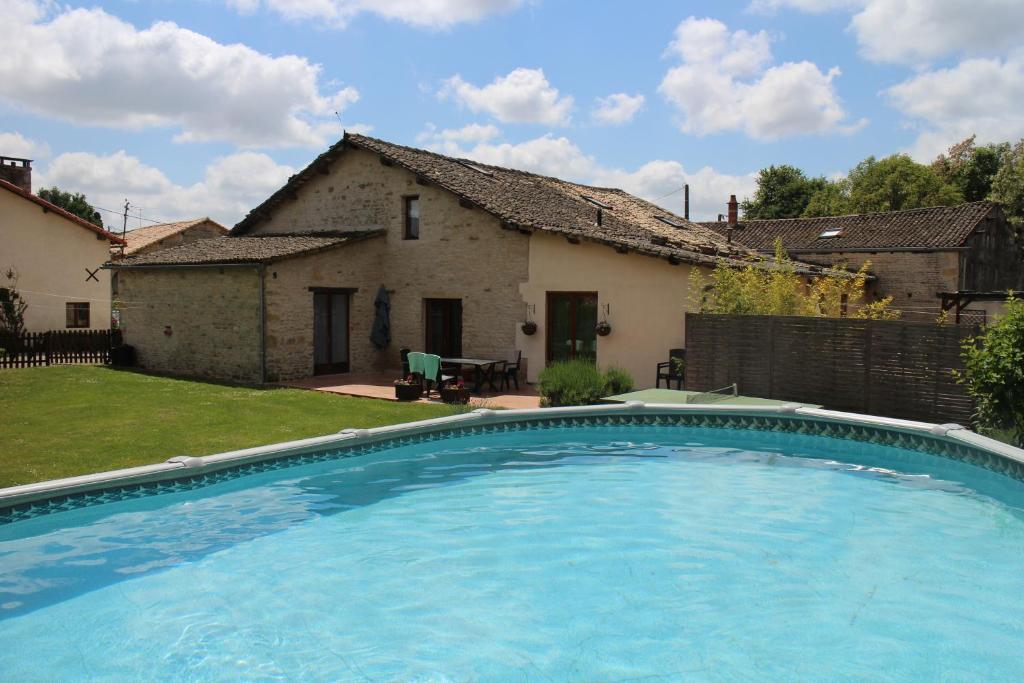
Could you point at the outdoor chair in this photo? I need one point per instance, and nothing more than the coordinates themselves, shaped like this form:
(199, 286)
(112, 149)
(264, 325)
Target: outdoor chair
(432, 372)
(510, 371)
(670, 371)
(405, 361)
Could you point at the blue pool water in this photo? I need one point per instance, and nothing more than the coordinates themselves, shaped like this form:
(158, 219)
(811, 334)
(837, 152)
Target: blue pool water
(606, 553)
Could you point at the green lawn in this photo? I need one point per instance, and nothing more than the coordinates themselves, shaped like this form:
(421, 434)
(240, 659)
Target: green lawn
(63, 421)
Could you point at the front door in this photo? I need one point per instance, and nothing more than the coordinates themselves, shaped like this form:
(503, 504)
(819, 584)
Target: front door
(572, 321)
(330, 332)
(443, 327)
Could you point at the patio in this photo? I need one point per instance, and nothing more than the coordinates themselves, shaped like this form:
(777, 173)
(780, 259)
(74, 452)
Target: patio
(381, 385)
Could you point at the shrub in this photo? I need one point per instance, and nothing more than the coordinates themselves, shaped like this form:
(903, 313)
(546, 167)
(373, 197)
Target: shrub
(617, 381)
(580, 383)
(994, 372)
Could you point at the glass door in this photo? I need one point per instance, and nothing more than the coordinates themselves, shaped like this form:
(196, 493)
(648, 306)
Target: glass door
(330, 332)
(443, 327)
(571, 328)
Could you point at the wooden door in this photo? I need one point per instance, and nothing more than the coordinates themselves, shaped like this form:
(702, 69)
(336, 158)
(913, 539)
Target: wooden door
(443, 327)
(330, 332)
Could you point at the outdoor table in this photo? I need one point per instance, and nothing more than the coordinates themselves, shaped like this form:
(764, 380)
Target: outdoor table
(479, 364)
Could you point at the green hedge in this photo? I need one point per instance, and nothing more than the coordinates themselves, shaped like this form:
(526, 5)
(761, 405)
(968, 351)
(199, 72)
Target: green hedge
(580, 383)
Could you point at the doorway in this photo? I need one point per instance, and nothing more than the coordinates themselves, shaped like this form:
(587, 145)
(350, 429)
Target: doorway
(571, 328)
(443, 327)
(331, 331)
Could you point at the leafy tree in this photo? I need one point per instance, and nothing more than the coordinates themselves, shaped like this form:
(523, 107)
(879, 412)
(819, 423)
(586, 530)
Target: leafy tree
(897, 182)
(1008, 185)
(782, 192)
(12, 306)
(75, 203)
(994, 372)
(971, 169)
(779, 290)
(833, 199)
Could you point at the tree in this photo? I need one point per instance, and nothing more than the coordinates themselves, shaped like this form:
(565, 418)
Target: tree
(782, 192)
(971, 169)
(75, 203)
(779, 290)
(994, 372)
(895, 183)
(831, 200)
(12, 306)
(1008, 185)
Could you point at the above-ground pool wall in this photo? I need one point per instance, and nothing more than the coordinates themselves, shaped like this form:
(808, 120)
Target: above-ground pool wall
(199, 322)
(647, 297)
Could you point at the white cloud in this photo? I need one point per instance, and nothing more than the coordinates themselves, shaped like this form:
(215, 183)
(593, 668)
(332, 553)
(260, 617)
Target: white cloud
(558, 156)
(92, 68)
(523, 96)
(421, 13)
(918, 31)
(231, 185)
(724, 83)
(17, 145)
(977, 96)
(617, 109)
(451, 140)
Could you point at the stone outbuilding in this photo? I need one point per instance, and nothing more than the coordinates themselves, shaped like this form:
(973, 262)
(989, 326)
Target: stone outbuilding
(467, 253)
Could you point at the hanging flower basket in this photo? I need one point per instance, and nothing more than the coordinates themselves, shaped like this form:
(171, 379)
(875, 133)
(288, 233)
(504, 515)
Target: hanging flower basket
(529, 328)
(603, 329)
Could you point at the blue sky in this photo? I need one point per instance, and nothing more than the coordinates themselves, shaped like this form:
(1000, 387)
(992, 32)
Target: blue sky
(192, 108)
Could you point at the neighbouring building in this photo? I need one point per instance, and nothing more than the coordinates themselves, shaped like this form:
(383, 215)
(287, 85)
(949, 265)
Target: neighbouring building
(163, 235)
(928, 260)
(57, 257)
(466, 252)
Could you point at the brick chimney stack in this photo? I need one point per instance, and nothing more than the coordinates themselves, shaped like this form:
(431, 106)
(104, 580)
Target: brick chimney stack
(17, 172)
(734, 211)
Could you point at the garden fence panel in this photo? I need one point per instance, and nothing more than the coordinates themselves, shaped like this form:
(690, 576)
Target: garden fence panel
(57, 347)
(893, 368)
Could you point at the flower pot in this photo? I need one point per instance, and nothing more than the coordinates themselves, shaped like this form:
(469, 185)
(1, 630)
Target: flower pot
(603, 329)
(408, 392)
(450, 394)
(529, 327)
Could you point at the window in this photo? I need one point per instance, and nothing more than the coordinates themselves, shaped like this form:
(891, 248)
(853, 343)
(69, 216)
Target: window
(412, 218)
(596, 202)
(832, 232)
(77, 314)
(669, 221)
(474, 167)
(572, 323)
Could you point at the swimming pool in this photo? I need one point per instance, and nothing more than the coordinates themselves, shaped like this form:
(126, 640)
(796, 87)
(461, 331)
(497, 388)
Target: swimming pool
(602, 544)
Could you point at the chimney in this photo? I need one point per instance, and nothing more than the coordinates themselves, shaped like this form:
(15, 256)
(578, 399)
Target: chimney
(17, 172)
(686, 201)
(734, 211)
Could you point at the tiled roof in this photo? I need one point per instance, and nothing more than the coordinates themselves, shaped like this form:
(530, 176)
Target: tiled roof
(140, 238)
(47, 206)
(931, 228)
(528, 201)
(244, 250)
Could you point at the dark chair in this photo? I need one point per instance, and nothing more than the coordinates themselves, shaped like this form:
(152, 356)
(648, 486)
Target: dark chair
(511, 372)
(670, 371)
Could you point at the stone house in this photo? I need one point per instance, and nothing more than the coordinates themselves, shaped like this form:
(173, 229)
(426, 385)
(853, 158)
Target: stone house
(467, 253)
(928, 260)
(163, 235)
(56, 256)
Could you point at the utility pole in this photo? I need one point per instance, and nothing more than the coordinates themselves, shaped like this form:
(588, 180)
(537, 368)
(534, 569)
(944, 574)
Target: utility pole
(124, 227)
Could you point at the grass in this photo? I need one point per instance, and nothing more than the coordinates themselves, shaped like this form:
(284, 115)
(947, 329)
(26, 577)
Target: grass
(70, 420)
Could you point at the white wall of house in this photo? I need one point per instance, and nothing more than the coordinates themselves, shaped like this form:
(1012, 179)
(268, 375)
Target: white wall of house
(50, 255)
(647, 298)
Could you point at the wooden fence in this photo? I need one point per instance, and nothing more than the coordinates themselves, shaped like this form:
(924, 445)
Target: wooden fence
(881, 367)
(58, 347)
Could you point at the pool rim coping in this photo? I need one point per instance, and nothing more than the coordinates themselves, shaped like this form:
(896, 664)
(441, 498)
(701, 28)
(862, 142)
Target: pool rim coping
(185, 467)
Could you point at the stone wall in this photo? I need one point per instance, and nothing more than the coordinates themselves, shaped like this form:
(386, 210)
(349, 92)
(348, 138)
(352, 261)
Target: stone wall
(912, 279)
(212, 314)
(462, 254)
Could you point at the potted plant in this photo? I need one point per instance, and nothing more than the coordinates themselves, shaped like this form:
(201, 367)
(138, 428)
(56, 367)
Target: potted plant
(529, 328)
(408, 389)
(603, 329)
(455, 392)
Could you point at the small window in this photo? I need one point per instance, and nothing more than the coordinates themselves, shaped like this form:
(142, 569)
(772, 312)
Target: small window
(670, 221)
(412, 218)
(77, 314)
(474, 167)
(596, 202)
(832, 232)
